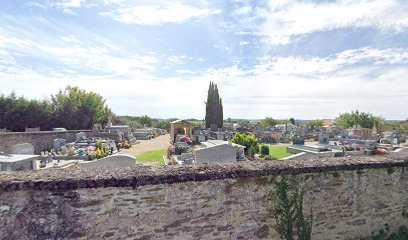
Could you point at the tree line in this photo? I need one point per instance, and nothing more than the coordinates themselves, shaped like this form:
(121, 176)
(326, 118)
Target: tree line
(143, 121)
(70, 108)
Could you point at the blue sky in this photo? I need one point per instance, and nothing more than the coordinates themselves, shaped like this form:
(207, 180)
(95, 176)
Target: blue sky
(277, 58)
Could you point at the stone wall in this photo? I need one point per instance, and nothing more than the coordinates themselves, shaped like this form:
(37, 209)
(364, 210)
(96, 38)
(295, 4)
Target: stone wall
(350, 198)
(41, 140)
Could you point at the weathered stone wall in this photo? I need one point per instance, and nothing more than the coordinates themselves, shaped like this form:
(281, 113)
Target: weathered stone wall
(350, 198)
(41, 140)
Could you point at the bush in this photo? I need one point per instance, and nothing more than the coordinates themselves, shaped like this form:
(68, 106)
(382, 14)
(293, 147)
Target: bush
(247, 141)
(99, 144)
(252, 151)
(98, 154)
(126, 145)
(264, 150)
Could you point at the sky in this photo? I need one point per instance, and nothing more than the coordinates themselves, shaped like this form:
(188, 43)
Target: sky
(270, 58)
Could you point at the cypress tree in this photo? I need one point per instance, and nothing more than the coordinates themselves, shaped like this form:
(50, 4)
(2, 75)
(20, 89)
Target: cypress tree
(213, 108)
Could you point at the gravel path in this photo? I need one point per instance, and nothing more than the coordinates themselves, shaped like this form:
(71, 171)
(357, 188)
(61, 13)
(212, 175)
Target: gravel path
(158, 143)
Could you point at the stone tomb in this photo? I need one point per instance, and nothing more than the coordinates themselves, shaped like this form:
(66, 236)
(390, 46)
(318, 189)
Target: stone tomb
(22, 149)
(58, 143)
(80, 136)
(216, 154)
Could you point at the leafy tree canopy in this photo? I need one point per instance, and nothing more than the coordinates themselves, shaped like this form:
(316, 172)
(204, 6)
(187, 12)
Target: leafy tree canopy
(365, 120)
(75, 108)
(268, 122)
(247, 141)
(317, 123)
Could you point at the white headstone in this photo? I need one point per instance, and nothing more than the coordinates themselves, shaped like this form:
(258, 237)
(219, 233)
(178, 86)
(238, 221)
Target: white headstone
(23, 148)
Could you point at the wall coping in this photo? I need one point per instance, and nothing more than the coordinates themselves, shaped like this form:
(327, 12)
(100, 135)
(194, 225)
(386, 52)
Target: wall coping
(44, 132)
(66, 179)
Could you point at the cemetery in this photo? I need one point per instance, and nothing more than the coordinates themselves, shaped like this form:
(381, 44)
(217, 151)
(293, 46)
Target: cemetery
(71, 149)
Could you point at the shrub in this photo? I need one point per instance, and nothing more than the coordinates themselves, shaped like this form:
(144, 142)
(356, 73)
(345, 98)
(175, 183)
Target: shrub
(126, 145)
(98, 153)
(264, 150)
(252, 151)
(99, 144)
(247, 141)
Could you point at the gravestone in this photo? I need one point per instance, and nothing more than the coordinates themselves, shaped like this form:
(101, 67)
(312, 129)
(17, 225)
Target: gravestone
(201, 138)
(214, 127)
(324, 138)
(220, 136)
(97, 128)
(23, 148)
(216, 154)
(80, 136)
(58, 143)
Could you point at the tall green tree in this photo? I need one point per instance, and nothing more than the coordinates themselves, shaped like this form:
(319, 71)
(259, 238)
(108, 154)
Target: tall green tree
(268, 122)
(75, 108)
(365, 120)
(145, 120)
(17, 113)
(213, 107)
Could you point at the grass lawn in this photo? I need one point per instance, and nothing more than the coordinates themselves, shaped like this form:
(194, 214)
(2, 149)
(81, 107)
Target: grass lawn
(152, 157)
(278, 152)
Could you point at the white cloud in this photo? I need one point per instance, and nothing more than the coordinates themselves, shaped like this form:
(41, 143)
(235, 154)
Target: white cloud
(368, 79)
(242, 11)
(287, 19)
(69, 11)
(318, 66)
(36, 4)
(70, 3)
(185, 71)
(157, 15)
(242, 43)
(182, 59)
